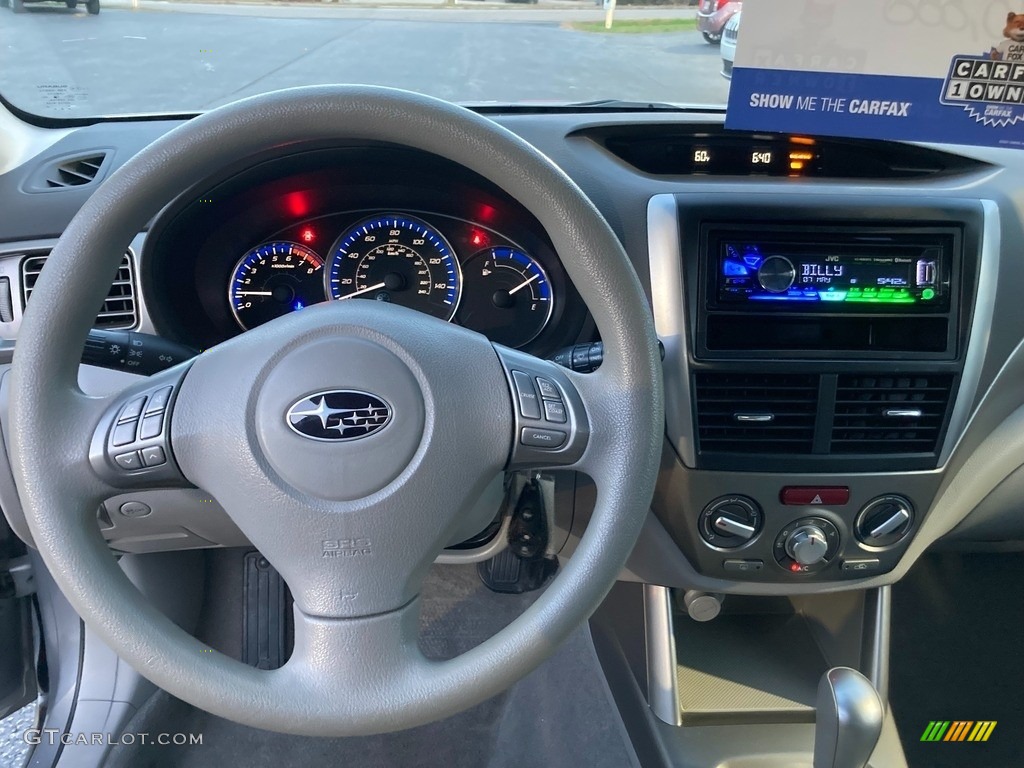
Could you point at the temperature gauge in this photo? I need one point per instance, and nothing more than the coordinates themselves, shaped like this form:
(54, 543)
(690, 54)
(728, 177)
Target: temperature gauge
(506, 296)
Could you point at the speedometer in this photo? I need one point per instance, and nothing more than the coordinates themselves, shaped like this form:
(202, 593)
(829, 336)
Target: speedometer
(396, 258)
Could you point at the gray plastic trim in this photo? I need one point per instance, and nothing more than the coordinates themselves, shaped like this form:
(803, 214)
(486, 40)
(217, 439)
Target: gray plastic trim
(877, 629)
(466, 556)
(660, 637)
(664, 249)
(981, 328)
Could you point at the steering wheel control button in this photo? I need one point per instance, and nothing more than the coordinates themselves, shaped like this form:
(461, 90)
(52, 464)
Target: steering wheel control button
(135, 509)
(124, 434)
(742, 566)
(152, 426)
(159, 399)
(547, 389)
(551, 425)
(807, 545)
(133, 410)
(529, 404)
(543, 438)
(554, 411)
(813, 496)
(730, 522)
(861, 565)
(884, 521)
(153, 456)
(129, 461)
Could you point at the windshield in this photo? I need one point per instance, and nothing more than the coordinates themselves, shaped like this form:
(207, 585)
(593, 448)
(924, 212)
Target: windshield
(89, 58)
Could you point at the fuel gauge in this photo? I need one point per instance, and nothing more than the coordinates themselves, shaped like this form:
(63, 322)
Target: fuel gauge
(506, 296)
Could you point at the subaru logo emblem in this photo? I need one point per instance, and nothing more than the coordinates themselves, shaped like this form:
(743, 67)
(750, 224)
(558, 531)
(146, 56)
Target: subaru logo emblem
(339, 415)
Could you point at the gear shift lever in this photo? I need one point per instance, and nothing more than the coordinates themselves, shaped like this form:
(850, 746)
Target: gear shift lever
(848, 721)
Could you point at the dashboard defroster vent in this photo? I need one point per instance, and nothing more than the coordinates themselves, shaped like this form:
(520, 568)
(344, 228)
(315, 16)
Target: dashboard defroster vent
(119, 309)
(756, 413)
(890, 414)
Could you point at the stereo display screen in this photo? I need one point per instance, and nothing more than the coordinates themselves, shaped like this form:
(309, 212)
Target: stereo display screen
(832, 278)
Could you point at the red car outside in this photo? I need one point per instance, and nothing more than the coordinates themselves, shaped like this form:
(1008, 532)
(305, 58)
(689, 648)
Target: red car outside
(712, 16)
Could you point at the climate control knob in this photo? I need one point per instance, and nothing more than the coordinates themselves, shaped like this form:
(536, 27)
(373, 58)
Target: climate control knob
(776, 274)
(884, 521)
(730, 522)
(807, 545)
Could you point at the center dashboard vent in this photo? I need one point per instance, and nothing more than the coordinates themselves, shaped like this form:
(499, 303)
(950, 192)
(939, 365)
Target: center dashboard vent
(756, 413)
(822, 417)
(890, 414)
(119, 309)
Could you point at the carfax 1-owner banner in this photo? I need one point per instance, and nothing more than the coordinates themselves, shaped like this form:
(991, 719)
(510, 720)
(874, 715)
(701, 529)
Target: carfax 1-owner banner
(925, 70)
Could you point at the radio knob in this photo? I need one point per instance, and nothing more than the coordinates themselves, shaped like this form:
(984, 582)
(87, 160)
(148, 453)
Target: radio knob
(807, 545)
(776, 274)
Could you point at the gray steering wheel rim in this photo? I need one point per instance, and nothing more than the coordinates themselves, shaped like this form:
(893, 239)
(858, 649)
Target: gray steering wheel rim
(51, 423)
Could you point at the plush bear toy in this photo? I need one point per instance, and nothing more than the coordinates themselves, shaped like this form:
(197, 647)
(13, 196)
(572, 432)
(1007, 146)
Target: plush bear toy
(1012, 48)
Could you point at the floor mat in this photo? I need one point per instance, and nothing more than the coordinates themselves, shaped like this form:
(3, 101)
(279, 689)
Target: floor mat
(562, 714)
(957, 624)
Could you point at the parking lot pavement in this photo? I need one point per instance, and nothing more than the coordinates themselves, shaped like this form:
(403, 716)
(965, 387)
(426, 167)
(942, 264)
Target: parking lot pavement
(173, 57)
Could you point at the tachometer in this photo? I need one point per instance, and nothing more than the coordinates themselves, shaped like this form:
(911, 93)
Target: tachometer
(396, 258)
(508, 296)
(274, 279)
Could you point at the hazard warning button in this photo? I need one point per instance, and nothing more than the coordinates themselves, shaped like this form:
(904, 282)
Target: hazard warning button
(814, 496)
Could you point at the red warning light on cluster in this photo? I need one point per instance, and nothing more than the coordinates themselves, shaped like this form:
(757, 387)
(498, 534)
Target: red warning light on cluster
(478, 237)
(307, 235)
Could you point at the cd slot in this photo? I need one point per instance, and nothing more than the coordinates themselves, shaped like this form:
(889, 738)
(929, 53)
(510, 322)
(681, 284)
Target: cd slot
(818, 333)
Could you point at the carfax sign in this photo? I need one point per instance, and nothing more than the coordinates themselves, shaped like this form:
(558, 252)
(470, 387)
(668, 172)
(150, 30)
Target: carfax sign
(918, 70)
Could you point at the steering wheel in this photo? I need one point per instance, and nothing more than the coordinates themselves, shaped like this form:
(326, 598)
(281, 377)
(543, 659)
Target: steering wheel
(347, 441)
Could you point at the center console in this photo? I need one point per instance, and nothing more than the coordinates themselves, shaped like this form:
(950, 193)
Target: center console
(818, 370)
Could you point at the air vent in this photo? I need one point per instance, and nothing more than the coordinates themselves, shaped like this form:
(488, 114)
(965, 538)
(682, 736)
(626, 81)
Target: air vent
(119, 309)
(74, 171)
(756, 413)
(890, 414)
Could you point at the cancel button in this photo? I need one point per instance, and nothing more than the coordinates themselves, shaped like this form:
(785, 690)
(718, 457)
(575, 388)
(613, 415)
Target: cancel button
(542, 438)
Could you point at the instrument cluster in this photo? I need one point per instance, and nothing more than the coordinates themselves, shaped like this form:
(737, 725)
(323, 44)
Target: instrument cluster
(364, 223)
(486, 283)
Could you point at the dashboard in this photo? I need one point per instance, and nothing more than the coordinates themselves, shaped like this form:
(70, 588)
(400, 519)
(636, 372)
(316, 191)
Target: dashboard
(843, 340)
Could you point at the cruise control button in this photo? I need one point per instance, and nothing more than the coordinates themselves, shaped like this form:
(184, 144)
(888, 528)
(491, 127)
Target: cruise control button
(124, 434)
(133, 410)
(529, 405)
(547, 390)
(554, 411)
(158, 400)
(151, 426)
(542, 438)
(129, 460)
(153, 456)
(743, 565)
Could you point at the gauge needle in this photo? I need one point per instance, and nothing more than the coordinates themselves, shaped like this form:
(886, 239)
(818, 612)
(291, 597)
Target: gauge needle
(523, 285)
(361, 290)
(254, 293)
